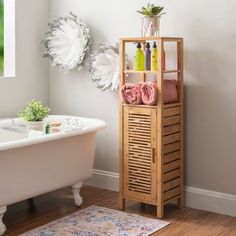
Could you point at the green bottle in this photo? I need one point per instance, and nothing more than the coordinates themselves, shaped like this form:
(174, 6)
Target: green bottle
(154, 56)
(139, 59)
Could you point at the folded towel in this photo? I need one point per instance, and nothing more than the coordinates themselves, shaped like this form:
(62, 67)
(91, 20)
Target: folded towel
(149, 93)
(131, 93)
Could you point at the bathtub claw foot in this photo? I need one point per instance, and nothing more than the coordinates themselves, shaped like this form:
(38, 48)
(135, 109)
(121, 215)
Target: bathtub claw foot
(76, 193)
(2, 226)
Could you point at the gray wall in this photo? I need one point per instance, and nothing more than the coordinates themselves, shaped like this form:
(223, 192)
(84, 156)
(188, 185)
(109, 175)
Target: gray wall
(31, 81)
(210, 54)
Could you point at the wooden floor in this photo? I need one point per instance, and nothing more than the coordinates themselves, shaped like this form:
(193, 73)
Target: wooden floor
(22, 216)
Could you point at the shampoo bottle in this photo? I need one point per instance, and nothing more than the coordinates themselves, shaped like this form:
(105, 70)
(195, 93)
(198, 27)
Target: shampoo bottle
(147, 57)
(154, 57)
(139, 59)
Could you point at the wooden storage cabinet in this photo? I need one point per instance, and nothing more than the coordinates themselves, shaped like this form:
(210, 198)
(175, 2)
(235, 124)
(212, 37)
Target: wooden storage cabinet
(151, 138)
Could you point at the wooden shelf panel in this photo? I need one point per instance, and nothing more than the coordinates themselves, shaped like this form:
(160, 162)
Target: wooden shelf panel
(139, 71)
(143, 39)
(171, 71)
(149, 71)
(175, 104)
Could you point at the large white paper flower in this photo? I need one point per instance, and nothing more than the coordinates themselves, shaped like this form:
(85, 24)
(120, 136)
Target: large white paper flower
(104, 67)
(67, 42)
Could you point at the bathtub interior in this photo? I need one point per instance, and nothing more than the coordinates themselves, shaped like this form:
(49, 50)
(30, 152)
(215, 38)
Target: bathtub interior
(9, 136)
(14, 132)
(16, 129)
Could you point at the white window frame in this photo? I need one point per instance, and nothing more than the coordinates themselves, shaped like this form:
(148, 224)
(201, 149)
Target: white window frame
(9, 39)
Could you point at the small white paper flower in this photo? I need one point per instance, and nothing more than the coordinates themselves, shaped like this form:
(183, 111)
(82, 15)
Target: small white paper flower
(104, 67)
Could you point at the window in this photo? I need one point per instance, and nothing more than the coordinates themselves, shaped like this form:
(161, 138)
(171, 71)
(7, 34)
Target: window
(1, 37)
(7, 38)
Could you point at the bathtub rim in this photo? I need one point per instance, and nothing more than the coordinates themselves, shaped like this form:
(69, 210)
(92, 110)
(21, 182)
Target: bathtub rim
(96, 125)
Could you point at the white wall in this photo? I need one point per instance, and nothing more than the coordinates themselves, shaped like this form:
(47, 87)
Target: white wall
(31, 81)
(210, 53)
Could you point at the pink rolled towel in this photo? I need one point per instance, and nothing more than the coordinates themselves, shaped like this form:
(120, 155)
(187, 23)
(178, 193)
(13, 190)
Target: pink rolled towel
(131, 93)
(149, 92)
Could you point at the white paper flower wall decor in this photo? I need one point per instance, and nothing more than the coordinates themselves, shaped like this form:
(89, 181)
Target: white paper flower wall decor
(67, 42)
(104, 67)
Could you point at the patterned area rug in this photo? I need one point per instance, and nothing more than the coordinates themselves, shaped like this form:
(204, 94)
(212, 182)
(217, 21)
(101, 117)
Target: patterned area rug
(99, 221)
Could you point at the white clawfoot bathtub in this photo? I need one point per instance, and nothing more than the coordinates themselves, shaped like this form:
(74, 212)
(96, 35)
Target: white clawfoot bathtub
(32, 163)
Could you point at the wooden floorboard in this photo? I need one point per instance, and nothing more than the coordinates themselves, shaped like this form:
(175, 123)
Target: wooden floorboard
(22, 217)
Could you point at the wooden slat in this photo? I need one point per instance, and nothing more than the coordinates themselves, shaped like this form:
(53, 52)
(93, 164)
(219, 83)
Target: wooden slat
(171, 175)
(172, 199)
(172, 120)
(140, 151)
(174, 104)
(171, 138)
(171, 71)
(171, 193)
(140, 164)
(171, 129)
(171, 184)
(172, 166)
(137, 176)
(172, 111)
(140, 184)
(171, 157)
(171, 147)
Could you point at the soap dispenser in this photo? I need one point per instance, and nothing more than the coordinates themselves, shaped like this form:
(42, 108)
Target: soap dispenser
(147, 57)
(139, 58)
(154, 56)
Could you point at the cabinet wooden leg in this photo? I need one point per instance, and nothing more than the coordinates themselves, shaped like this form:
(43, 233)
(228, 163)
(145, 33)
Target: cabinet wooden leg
(121, 203)
(180, 202)
(160, 211)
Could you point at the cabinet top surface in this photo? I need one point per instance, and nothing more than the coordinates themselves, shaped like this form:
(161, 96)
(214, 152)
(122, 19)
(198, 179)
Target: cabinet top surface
(131, 39)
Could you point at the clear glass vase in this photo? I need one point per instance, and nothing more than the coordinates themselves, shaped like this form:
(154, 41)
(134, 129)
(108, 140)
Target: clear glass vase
(150, 26)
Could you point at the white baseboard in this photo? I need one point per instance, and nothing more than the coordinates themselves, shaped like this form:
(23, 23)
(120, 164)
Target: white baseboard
(202, 199)
(104, 179)
(207, 200)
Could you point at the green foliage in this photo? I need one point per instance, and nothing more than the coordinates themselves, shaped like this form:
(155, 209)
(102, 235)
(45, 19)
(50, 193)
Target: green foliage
(151, 10)
(1, 36)
(34, 111)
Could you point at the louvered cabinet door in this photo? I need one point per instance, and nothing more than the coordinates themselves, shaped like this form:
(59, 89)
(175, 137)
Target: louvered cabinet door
(140, 154)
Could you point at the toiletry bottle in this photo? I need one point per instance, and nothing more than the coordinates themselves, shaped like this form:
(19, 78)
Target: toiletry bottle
(154, 57)
(139, 59)
(48, 128)
(147, 57)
